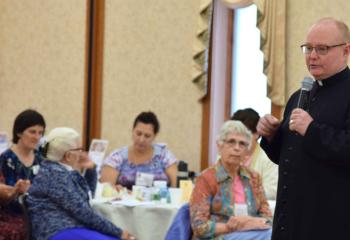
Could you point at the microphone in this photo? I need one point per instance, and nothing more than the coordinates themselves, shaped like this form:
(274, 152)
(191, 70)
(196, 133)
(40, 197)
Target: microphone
(306, 85)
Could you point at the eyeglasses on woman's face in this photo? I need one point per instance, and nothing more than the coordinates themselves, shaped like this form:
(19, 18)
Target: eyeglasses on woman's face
(232, 142)
(75, 150)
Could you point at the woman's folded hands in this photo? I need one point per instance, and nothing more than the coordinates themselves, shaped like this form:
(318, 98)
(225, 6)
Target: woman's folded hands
(245, 223)
(8, 193)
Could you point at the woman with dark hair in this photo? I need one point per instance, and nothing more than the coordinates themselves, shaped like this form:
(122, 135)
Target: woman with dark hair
(18, 166)
(256, 158)
(142, 156)
(22, 160)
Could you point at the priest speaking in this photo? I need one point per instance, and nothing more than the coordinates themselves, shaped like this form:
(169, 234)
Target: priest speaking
(311, 145)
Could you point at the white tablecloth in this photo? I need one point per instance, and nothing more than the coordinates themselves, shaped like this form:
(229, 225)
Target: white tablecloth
(148, 222)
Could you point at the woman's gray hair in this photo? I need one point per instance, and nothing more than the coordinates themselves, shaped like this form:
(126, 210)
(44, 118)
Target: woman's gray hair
(235, 127)
(60, 140)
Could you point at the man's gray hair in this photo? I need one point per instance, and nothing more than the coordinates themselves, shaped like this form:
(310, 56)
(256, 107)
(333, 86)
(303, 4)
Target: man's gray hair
(235, 127)
(61, 140)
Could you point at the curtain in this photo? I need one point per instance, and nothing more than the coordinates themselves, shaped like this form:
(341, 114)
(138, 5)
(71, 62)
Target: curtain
(201, 47)
(271, 23)
(237, 3)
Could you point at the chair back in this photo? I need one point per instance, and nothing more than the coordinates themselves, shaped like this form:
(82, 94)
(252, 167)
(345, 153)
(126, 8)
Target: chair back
(182, 172)
(180, 228)
(22, 200)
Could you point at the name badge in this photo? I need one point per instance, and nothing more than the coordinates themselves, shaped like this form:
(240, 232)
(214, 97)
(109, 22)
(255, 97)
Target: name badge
(36, 169)
(241, 210)
(144, 179)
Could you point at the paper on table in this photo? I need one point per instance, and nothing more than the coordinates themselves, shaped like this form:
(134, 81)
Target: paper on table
(186, 186)
(132, 202)
(102, 200)
(175, 196)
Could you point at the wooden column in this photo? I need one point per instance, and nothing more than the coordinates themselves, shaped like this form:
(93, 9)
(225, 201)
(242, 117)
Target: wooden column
(229, 53)
(94, 67)
(276, 111)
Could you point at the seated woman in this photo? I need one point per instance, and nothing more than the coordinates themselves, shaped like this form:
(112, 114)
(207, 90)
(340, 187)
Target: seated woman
(12, 225)
(228, 199)
(19, 165)
(22, 160)
(256, 157)
(59, 196)
(143, 156)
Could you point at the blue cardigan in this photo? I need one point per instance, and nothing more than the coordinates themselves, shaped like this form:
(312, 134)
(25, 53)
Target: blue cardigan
(59, 199)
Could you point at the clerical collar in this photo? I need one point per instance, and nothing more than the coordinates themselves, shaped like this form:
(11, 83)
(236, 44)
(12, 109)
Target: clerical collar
(336, 78)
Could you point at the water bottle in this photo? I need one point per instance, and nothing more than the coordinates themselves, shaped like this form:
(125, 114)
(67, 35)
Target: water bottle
(163, 191)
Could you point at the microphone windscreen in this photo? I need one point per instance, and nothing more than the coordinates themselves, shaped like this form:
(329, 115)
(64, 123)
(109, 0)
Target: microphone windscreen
(307, 83)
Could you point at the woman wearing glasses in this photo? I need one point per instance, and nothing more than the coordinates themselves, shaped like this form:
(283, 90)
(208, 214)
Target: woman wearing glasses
(228, 199)
(58, 200)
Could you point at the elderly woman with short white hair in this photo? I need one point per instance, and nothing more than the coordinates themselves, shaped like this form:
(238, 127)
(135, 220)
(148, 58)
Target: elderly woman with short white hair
(228, 201)
(59, 197)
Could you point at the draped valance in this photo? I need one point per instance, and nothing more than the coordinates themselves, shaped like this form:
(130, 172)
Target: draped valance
(271, 22)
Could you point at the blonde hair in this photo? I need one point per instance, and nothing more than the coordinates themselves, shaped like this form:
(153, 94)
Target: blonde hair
(235, 127)
(60, 140)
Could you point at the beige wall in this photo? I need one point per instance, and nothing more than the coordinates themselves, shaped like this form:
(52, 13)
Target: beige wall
(147, 66)
(42, 60)
(148, 48)
(147, 60)
(301, 15)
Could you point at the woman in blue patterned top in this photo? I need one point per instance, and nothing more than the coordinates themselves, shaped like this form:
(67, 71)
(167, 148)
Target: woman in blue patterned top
(59, 198)
(12, 226)
(20, 163)
(22, 160)
(123, 166)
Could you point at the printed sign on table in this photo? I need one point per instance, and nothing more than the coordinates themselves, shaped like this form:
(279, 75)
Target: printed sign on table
(97, 150)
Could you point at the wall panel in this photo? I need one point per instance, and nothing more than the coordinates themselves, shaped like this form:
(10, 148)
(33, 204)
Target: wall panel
(42, 60)
(300, 16)
(147, 66)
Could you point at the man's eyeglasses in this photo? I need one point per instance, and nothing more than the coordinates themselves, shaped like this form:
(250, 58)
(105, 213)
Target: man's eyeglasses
(233, 142)
(320, 49)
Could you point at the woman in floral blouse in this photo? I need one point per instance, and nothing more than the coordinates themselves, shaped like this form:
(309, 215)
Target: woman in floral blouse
(123, 165)
(228, 200)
